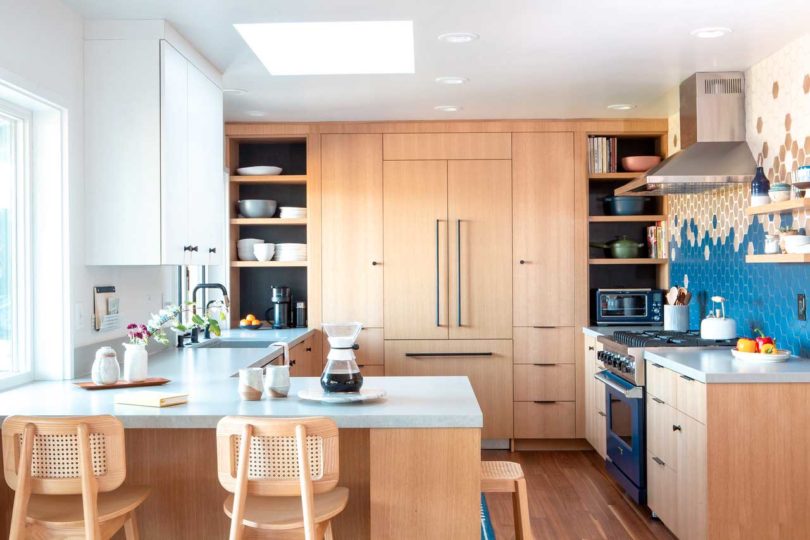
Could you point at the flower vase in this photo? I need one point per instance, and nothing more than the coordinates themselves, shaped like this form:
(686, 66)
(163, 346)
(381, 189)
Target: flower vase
(135, 361)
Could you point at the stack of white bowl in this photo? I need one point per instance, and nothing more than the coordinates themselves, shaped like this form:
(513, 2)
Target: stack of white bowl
(291, 252)
(292, 212)
(244, 248)
(264, 252)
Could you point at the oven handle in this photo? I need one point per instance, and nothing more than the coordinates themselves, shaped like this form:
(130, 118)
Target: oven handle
(634, 392)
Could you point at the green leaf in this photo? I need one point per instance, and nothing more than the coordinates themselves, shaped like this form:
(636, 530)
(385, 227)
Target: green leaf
(214, 325)
(180, 327)
(196, 319)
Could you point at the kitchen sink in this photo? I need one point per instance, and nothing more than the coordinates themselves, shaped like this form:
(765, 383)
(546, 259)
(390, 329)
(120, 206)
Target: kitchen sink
(228, 343)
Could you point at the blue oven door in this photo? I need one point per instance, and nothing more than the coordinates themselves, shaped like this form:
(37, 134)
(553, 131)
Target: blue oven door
(624, 404)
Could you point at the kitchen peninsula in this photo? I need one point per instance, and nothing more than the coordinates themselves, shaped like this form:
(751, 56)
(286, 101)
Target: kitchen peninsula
(383, 445)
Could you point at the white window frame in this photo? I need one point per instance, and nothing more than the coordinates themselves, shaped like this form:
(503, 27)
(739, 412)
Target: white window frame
(22, 369)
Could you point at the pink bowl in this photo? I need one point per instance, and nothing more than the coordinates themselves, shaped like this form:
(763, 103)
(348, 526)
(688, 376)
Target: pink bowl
(640, 163)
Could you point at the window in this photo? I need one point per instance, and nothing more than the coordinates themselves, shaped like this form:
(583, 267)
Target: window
(15, 350)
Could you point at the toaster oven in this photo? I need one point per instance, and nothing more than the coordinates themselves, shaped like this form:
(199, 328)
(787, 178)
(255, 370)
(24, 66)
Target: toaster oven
(629, 306)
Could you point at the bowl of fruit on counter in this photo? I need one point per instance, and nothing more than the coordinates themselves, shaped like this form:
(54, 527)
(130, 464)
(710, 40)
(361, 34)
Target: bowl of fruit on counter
(250, 322)
(761, 348)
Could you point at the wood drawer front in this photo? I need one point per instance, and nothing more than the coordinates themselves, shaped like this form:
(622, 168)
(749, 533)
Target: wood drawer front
(662, 441)
(402, 146)
(372, 347)
(691, 398)
(372, 370)
(545, 420)
(661, 382)
(545, 382)
(544, 345)
(490, 374)
(662, 491)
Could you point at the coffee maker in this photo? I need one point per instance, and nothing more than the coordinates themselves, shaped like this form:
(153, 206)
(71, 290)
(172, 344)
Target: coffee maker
(281, 300)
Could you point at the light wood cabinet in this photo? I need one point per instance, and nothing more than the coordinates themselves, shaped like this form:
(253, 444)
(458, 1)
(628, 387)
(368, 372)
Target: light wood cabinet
(662, 490)
(691, 397)
(415, 249)
(305, 358)
(544, 345)
(479, 213)
(437, 287)
(421, 146)
(692, 503)
(544, 382)
(544, 229)
(595, 414)
(487, 363)
(155, 189)
(662, 441)
(352, 228)
(661, 382)
(551, 420)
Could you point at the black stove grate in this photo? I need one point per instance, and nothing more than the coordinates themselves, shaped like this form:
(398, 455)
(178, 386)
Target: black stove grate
(666, 338)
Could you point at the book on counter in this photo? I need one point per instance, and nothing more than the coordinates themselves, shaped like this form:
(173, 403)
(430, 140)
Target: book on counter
(151, 398)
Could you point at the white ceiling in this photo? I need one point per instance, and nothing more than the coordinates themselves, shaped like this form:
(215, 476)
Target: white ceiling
(535, 58)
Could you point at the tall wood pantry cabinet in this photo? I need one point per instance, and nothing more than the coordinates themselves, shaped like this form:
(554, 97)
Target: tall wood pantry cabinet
(154, 182)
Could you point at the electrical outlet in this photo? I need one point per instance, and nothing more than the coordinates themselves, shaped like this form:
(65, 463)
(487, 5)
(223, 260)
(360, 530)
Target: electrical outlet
(801, 304)
(80, 316)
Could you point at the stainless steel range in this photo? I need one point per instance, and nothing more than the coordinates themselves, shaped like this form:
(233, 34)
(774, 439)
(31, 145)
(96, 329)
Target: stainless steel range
(624, 380)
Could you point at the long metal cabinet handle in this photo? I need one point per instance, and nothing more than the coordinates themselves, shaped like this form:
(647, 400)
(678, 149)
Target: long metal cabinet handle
(438, 322)
(458, 255)
(417, 355)
(658, 460)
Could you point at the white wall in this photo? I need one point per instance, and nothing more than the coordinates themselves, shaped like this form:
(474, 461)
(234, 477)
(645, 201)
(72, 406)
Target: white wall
(42, 50)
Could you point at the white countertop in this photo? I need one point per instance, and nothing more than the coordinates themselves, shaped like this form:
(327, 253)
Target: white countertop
(717, 365)
(205, 374)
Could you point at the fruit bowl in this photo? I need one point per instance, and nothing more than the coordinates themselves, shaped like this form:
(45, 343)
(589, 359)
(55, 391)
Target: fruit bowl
(778, 356)
(250, 326)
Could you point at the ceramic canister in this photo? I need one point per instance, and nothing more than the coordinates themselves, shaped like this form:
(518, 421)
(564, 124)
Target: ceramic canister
(277, 381)
(251, 382)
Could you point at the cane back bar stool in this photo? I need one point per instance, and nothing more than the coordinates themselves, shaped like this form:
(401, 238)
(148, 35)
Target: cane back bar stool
(507, 477)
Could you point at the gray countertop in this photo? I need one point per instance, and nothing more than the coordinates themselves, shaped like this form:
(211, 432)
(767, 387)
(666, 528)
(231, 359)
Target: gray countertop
(205, 374)
(717, 365)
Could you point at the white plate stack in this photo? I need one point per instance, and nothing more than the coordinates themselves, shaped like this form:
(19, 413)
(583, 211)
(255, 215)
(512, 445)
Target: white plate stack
(292, 212)
(244, 248)
(291, 252)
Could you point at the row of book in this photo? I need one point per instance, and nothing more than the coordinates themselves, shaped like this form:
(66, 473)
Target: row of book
(657, 240)
(602, 155)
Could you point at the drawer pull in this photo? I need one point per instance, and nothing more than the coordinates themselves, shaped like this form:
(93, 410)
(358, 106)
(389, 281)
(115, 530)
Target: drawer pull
(361, 365)
(676, 427)
(684, 377)
(600, 413)
(544, 327)
(661, 401)
(544, 365)
(417, 355)
(653, 364)
(590, 348)
(545, 402)
(309, 349)
(659, 461)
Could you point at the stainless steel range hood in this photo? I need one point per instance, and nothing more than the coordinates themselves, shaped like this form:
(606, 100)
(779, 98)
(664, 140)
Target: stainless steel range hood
(715, 153)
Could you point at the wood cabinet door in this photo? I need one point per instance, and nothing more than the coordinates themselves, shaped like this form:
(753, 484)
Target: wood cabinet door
(480, 245)
(415, 249)
(490, 373)
(662, 490)
(352, 228)
(543, 237)
(306, 359)
(206, 186)
(174, 157)
(692, 479)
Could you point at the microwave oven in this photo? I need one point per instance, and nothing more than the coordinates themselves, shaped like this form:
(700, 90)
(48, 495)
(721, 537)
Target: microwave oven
(629, 307)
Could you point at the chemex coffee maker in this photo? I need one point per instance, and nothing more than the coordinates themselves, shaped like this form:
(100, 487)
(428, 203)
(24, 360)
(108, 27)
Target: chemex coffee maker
(341, 373)
(279, 312)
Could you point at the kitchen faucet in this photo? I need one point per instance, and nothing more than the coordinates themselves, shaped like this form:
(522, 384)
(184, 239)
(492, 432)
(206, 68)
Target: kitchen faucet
(225, 300)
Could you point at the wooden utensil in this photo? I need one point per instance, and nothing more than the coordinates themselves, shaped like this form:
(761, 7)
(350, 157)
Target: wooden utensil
(672, 296)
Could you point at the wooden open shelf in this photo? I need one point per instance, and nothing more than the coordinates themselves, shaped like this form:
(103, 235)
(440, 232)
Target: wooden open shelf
(776, 208)
(269, 221)
(269, 264)
(615, 175)
(640, 260)
(626, 219)
(279, 179)
(779, 258)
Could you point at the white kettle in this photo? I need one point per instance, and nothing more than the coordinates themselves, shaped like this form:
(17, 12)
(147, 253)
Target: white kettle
(716, 325)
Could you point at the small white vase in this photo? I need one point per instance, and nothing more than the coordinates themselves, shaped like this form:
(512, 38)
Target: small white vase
(135, 362)
(105, 367)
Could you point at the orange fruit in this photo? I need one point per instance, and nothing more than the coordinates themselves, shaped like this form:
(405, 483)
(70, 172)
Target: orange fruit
(243, 322)
(251, 317)
(256, 322)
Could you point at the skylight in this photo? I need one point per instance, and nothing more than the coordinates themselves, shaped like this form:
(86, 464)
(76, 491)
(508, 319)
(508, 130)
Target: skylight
(332, 48)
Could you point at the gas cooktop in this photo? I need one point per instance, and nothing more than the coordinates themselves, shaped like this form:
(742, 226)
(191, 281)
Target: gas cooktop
(666, 338)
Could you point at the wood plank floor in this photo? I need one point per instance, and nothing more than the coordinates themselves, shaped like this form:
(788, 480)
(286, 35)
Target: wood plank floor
(571, 497)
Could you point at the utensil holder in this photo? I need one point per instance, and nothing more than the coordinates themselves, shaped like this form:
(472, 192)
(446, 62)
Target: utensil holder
(676, 318)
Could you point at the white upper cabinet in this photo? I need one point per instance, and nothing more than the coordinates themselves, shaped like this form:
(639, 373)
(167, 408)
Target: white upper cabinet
(155, 189)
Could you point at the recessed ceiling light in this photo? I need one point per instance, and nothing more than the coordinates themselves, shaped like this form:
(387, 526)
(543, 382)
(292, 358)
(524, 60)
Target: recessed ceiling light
(621, 106)
(447, 108)
(451, 80)
(254, 113)
(458, 37)
(711, 32)
(234, 91)
(332, 48)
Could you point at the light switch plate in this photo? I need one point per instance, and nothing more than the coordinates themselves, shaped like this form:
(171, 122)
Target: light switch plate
(80, 316)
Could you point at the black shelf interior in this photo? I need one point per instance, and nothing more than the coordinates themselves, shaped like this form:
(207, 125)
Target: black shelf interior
(634, 145)
(291, 156)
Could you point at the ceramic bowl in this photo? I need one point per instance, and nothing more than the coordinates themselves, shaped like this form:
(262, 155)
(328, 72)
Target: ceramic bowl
(260, 170)
(794, 242)
(779, 195)
(264, 252)
(257, 208)
(640, 163)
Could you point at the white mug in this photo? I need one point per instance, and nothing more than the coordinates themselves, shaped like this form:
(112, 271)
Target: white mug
(277, 381)
(251, 383)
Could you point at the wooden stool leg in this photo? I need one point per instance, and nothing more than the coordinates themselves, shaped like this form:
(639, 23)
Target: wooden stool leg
(327, 534)
(520, 503)
(131, 527)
